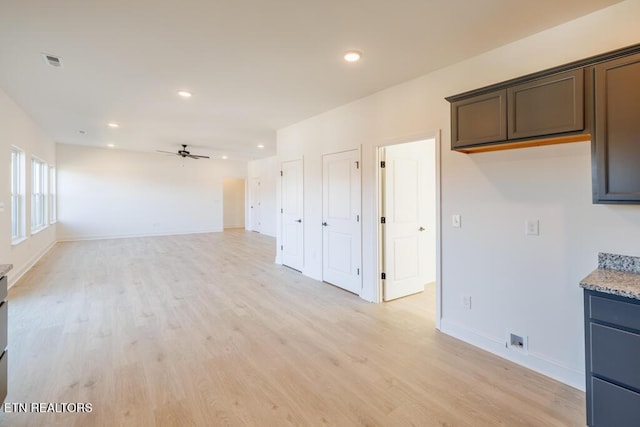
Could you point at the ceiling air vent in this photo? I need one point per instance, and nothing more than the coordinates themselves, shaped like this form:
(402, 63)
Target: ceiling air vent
(54, 61)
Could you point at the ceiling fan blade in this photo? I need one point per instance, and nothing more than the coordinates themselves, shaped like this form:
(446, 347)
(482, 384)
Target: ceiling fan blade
(194, 156)
(166, 152)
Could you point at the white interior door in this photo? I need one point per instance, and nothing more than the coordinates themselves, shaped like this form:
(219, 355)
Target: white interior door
(409, 228)
(255, 204)
(292, 208)
(341, 232)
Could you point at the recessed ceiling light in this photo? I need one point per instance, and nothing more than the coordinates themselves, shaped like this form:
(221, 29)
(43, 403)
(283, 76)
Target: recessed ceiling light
(113, 125)
(111, 145)
(352, 56)
(81, 132)
(185, 94)
(224, 157)
(260, 146)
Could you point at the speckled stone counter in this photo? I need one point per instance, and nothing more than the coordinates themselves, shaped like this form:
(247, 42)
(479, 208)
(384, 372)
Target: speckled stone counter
(616, 275)
(5, 268)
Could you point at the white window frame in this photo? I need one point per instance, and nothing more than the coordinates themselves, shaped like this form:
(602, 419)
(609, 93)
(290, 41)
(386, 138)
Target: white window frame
(39, 195)
(53, 195)
(18, 210)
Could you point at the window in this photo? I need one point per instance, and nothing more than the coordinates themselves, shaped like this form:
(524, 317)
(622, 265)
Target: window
(53, 196)
(17, 195)
(39, 195)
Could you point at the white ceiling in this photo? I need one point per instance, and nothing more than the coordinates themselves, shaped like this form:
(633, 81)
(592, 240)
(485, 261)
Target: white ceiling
(254, 66)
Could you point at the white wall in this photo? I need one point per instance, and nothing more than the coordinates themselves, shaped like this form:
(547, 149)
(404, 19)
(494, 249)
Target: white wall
(105, 193)
(268, 173)
(16, 128)
(233, 202)
(518, 283)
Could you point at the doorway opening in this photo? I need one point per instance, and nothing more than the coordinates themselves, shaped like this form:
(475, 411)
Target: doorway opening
(409, 226)
(233, 200)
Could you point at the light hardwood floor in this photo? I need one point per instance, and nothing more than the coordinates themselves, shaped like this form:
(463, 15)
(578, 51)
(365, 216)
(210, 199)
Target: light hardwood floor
(206, 330)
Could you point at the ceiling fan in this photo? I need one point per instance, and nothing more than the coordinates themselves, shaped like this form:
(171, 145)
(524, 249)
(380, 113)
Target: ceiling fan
(184, 153)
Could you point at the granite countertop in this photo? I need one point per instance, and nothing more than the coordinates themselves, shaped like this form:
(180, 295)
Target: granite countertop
(5, 268)
(616, 274)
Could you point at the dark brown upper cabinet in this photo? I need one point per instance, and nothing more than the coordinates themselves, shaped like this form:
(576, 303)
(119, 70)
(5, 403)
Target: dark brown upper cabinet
(617, 131)
(479, 120)
(546, 106)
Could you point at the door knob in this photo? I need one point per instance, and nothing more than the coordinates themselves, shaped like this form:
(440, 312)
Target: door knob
(298, 220)
(324, 224)
(421, 229)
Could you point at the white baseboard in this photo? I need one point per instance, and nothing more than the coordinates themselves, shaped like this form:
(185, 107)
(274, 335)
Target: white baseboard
(536, 362)
(19, 271)
(128, 236)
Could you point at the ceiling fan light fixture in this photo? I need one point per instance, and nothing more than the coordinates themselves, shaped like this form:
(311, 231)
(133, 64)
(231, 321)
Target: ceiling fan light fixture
(352, 56)
(113, 125)
(185, 94)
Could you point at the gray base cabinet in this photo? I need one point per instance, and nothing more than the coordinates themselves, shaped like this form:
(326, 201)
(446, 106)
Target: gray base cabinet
(612, 338)
(4, 356)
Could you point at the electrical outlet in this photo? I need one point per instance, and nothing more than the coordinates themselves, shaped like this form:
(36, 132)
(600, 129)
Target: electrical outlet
(466, 302)
(532, 227)
(456, 221)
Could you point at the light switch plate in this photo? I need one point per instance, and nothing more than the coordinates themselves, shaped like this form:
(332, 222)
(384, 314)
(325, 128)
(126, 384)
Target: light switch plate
(456, 221)
(532, 227)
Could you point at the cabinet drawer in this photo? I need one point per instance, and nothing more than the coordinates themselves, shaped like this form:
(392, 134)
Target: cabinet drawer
(615, 355)
(613, 406)
(621, 313)
(3, 376)
(3, 288)
(4, 317)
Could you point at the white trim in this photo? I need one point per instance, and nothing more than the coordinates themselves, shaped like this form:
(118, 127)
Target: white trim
(16, 274)
(531, 360)
(40, 229)
(127, 236)
(438, 148)
(436, 136)
(16, 242)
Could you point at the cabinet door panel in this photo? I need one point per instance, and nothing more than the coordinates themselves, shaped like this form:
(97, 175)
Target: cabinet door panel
(479, 120)
(3, 375)
(617, 147)
(547, 106)
(613, 406)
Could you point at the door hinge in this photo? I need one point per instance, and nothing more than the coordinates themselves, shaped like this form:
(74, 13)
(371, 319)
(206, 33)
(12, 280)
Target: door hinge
(357, 165)
(281, 174)
(357, 218)
(281, 211)
(281, 248)
(358, 272)
(383, 164)
(383, 220)
(383, 276)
